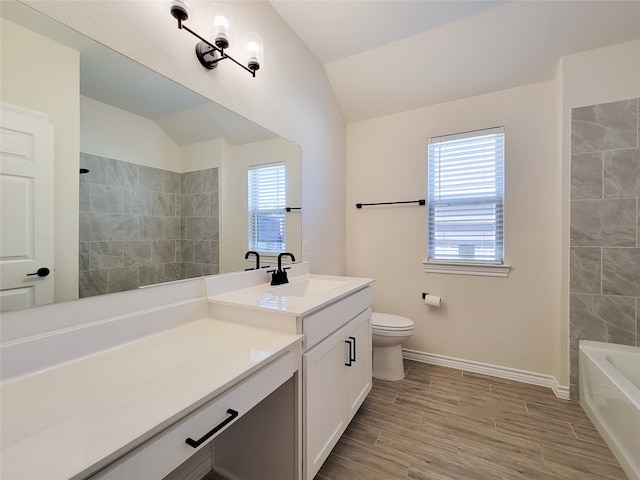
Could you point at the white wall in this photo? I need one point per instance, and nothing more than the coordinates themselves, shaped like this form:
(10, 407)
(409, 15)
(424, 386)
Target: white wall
(42, 75)
(111, 132)
(499, 321)
(234, 220)
(202, 155)
(106, 131)
(290, 94)
(519, 322)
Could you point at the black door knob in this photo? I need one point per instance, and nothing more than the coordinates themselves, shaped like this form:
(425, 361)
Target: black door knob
(42, 272)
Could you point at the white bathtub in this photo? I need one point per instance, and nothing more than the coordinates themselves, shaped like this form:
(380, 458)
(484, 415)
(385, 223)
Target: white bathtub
(610, 394)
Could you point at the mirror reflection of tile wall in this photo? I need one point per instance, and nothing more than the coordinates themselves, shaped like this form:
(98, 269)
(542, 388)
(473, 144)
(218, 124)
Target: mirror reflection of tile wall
(605, 226)
(141, 225)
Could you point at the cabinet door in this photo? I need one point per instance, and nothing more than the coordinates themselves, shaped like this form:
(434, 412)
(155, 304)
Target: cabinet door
(359, 377)
(325, 392)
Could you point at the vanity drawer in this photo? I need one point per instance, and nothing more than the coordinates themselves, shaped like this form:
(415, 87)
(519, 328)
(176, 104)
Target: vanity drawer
(160, 455)
(320, 325)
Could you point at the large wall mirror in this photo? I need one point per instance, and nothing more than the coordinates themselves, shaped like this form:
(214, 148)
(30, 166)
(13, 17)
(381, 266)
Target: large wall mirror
(150, 180)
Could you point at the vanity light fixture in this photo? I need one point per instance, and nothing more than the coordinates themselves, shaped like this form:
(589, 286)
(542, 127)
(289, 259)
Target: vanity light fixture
(210, 53)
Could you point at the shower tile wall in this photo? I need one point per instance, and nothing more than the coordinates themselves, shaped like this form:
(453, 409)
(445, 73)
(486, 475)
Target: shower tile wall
(136, 227)
(199, 230)
(605, 226)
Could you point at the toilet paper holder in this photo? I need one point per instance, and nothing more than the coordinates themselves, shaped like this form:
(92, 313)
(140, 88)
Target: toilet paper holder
(431, 300)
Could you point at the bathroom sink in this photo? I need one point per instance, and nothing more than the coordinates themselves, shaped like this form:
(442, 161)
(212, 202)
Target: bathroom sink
(305, 288)
(304, 294)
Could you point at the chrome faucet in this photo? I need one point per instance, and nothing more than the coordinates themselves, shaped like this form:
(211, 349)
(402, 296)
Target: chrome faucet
(251, 252)
(280, 276)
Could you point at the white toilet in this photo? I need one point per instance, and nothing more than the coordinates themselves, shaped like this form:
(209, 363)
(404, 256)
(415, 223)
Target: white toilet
(388, 332)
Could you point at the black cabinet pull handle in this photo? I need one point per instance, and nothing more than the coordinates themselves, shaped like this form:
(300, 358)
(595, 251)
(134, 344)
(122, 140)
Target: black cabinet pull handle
(196, 443)
(348, 342)
(42, 272)
(354, 349)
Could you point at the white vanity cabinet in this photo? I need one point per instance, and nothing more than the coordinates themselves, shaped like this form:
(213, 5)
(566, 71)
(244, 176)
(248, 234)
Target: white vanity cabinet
(334, 314)
(336, 372)
(337, 379)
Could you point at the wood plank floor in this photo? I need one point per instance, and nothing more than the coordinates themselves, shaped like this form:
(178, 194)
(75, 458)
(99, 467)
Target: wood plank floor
(442, 423)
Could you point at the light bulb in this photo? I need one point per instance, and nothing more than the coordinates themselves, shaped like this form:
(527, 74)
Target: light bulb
(222, 19)
(221, 24)
(254, 48)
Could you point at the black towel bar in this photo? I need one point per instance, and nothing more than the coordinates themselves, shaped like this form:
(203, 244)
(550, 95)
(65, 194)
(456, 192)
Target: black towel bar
(419, 202)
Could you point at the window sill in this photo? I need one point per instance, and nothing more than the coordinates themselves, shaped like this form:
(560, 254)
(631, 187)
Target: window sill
(454, 268)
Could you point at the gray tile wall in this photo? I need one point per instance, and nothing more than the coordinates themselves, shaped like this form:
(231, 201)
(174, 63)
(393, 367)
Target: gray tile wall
(199, 230)
(133, 225)
(605, 227)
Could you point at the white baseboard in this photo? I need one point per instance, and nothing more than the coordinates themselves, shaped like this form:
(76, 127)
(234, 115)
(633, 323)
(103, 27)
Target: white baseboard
(523, 376)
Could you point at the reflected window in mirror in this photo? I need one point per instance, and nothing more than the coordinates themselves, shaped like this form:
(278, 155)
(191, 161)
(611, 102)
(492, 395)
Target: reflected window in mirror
(266, 208)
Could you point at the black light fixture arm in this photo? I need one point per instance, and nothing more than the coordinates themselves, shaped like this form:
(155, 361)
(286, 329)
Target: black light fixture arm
(215, 50)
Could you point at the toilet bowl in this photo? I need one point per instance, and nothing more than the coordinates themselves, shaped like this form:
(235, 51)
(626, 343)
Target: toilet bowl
(388, 332)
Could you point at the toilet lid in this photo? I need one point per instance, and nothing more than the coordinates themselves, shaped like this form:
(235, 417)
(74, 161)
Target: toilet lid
(387, 321)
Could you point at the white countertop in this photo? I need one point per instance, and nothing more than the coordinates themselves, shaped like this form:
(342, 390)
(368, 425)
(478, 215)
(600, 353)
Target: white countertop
(61, 421)
(330, 288)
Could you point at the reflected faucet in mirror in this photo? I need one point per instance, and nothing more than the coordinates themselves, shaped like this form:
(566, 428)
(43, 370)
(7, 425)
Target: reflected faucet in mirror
(279, 276)
(257, 255)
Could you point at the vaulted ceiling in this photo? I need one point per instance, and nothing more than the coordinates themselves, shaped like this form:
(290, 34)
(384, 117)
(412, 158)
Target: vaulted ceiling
(388, 56)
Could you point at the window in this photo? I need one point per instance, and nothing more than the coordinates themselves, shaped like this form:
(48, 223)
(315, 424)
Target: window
(465, 198)
(267, 200)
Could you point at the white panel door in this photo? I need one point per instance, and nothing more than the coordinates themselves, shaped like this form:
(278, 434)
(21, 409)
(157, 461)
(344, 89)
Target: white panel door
(359, 376)
(26, 208)
(324, 400)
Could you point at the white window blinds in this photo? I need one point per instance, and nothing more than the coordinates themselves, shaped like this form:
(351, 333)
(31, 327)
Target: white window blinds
(267, 200)
(466, 197)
